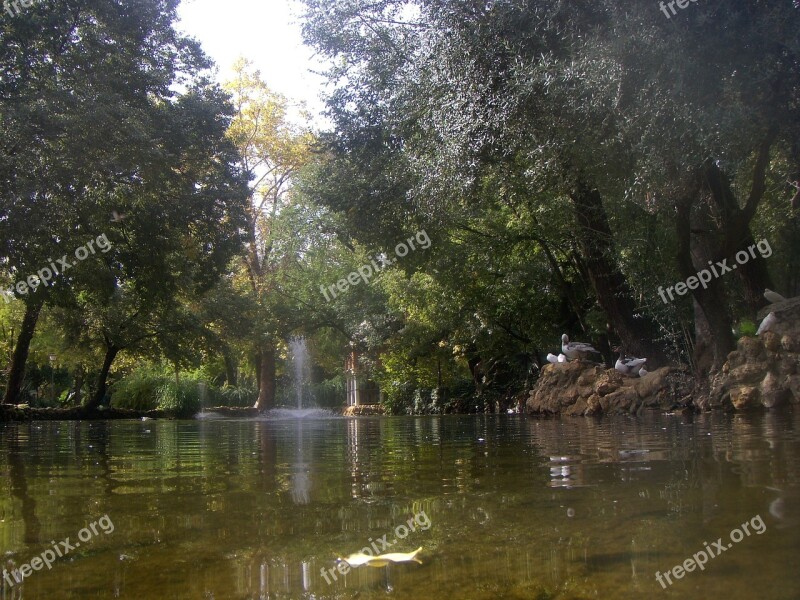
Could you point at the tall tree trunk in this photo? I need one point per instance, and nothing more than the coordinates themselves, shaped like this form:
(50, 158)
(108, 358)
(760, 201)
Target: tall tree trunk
(713, 335)
(755, 278)
(715, 229)
(257, 362)
(230, 368)
(733, 229)
(266, 378)
(77, 384)
(609, 284)
(102, 379)
(19, 359)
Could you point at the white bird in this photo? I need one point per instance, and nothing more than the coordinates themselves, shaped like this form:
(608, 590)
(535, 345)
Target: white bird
(628, 366)
(562, 358)
(575, 350)
(643, 372)
(768, 323)
(773, 297)
(552, 358)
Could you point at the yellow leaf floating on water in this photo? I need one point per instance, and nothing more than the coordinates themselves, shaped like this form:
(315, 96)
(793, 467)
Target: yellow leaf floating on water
(358, 559)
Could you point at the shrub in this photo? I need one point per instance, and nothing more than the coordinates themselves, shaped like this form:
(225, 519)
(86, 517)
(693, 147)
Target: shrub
(148, 388)
(330, 393)
(399, 399)
(181, 399)
(239, 397)
(138, 390)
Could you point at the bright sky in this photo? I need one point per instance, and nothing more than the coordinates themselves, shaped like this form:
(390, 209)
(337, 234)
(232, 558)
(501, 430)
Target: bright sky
(265, 31)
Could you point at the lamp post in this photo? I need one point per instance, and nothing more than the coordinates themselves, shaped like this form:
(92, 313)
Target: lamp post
(52, 358)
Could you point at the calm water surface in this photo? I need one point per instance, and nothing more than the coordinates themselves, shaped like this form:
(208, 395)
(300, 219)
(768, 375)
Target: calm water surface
(518, 508)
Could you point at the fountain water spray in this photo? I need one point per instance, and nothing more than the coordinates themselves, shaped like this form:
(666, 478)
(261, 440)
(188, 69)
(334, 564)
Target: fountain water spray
(300, 366)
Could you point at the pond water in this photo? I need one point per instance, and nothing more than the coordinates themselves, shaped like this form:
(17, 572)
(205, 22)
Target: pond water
(505, 507)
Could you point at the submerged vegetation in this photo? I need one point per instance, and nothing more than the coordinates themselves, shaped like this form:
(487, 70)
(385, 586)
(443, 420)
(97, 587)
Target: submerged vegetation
(566, 160)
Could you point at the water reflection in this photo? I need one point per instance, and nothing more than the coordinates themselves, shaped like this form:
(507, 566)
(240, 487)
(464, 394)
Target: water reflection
(519, 507)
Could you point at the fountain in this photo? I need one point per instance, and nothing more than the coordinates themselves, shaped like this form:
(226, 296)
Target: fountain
(300, 366)
(301, 377)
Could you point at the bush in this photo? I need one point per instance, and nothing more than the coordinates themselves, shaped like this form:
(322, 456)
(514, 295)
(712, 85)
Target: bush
(139, 390)
(237, 397)
(150, 388)
(330, 393)
(399, 399)
(181, 399)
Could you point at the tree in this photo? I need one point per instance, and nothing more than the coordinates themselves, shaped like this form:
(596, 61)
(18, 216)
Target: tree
(79, 96)
(272, 151)
(575, 101)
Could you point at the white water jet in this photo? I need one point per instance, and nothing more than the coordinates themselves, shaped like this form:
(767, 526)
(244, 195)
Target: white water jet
(301, 367)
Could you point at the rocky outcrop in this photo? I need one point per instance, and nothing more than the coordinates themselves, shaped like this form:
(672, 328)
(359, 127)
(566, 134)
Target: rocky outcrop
(579, 388)
(763, 371)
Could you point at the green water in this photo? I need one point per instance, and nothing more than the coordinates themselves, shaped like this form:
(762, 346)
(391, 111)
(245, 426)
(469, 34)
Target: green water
(518, 508)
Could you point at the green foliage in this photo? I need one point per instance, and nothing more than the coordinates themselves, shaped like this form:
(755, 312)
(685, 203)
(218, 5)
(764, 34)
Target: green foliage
(150, 388)
(746, 328)
(139, 390)
(399, 398)
(329, 393)
(473, 121)
(479, 120)
(238, 397)
(181, 398)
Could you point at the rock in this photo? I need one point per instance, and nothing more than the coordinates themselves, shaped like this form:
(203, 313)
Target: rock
(607, 383)
(585, 389)
(792, 385)
(744, 397)
(748, 373)
(789, 344)
(772, 392)
(750, 348)
(763, 371)
(771, 341)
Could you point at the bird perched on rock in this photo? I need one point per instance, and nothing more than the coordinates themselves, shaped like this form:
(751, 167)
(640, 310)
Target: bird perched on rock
(628, 366)
(575, 350)
(552, 358)
(768, 323)
(773, 297)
